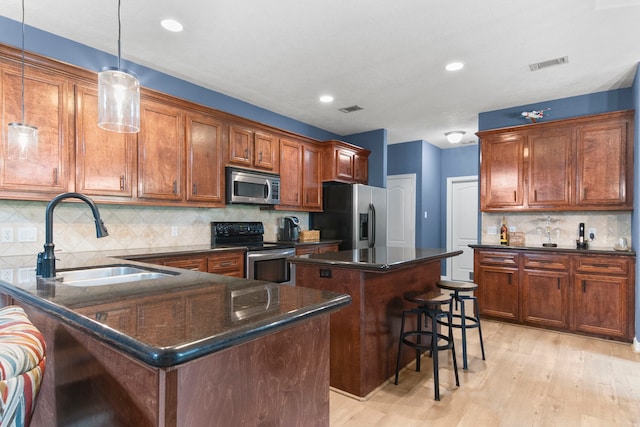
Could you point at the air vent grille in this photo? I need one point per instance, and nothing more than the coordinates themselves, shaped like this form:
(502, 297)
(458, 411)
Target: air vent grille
(551, 62)
(351, 109)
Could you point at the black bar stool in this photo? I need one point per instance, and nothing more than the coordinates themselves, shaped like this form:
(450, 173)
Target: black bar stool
(430, 306)
(465, 321)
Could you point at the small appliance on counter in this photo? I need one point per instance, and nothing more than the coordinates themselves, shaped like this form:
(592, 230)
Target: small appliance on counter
(581, 243)
(289, 230)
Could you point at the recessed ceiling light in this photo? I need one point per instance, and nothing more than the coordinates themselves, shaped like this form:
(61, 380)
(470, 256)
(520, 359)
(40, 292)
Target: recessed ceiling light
(326, 98)
(454, 66)
(171, 25)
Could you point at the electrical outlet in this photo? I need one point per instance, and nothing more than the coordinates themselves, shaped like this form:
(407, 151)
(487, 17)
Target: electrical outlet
(6, 274)
(592, 234)
(27, 234)
(174, 231)
(26, 274)
(6, 235)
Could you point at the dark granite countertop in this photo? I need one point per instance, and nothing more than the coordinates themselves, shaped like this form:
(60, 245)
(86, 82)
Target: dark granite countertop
(199, 313)
(318, 242)
(379, 259)
(566, 249)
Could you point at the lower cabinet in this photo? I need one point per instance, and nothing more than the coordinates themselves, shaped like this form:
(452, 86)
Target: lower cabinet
(316, 248)
(576, 292)
(228, 263)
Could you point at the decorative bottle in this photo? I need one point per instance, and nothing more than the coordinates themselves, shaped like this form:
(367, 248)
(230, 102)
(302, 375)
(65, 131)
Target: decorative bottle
(504, 233)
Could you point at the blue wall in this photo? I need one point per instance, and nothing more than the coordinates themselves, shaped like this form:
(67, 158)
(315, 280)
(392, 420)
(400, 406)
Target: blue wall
(376, 141)
(52, 46)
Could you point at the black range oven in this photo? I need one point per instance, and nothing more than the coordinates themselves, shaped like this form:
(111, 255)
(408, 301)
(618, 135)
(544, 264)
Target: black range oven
(263, 261)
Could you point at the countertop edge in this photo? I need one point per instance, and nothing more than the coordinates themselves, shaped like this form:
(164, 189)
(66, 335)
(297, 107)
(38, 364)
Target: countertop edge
(564, 249)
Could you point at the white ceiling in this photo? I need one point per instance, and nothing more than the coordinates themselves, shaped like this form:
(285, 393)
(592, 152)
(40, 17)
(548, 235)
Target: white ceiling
(281, 55)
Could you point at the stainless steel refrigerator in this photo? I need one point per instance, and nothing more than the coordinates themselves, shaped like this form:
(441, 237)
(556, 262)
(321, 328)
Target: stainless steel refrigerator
(353, 213)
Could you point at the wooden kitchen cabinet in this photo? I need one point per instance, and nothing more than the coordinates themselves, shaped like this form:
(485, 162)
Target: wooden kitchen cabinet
(291, 173)
(105, 161)
(344, 162)
(584, 163)
(574, 292)
(205, 174)
(253, 148)
(227, 263)
(48, 106)
(311, 177)
(602, 291)
(316, 248)
(300, 176)
(160, 151)
(545, 290)
(499, 294)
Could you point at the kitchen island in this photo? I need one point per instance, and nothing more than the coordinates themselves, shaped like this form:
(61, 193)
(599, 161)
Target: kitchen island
(364, 336)
(189, 348)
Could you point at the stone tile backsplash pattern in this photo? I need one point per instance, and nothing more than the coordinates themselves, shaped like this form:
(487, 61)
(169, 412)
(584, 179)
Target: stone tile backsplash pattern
(130, 227)
(610, 226)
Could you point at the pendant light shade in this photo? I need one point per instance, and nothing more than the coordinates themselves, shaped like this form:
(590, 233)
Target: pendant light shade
(118, 97)
(118, 101)
(22, 139)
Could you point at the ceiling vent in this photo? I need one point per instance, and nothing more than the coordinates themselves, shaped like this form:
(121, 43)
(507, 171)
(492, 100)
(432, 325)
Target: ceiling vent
(351, 109)
(549, 63)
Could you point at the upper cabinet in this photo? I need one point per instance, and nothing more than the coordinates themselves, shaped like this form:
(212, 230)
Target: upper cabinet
(576, 164)
(204, 163)
(48, 104)
(105, 161)
(253, 148)
(344, 162)
(300, 176)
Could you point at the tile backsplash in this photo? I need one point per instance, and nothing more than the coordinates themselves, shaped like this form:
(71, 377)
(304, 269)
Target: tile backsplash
(609, 227)
(130, 227)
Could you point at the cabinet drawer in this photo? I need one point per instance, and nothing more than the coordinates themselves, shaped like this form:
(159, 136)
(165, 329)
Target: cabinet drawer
(498, 258)
(228, 264)
(602, 264)
(545, 262)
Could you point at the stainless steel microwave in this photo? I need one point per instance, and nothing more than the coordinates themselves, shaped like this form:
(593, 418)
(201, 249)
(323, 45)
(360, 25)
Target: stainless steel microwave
(252, 187)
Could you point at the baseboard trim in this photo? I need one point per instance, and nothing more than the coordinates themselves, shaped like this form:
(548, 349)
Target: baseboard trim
(636, 345)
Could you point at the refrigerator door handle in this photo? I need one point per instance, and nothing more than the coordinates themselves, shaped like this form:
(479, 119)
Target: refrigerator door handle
(372, 225)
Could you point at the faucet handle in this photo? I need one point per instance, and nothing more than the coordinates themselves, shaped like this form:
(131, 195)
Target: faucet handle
(39, 264)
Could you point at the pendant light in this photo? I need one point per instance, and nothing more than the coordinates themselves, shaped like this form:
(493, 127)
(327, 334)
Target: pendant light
(22, 138)
(118, 97)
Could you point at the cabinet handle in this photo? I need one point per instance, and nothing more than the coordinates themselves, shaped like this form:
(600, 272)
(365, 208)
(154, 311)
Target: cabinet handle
(584, 286)
(509, 281)
(175, 187)
(260, 157)
(55, 176)
(558, 283)
(600, 265)
(226, 264)
(121, 182)
(535, 195)
(246, 153)
(195, 189)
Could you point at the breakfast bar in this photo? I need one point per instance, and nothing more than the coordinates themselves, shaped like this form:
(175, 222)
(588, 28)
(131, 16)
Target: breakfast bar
(364, 336)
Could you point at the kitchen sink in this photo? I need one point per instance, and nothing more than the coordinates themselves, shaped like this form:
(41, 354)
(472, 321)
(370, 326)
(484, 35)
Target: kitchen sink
(110, 275)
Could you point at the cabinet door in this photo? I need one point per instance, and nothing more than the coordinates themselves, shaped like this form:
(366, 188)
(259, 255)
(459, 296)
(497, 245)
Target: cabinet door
(265, 151)
(312, 178)
(105, 161)
(240, 145)
(204, 166)
(550, 171)
(344, 164)
(545, 298)
(290, 173)
(600, 304)
(44, 170)
(502, 171)
(605, 158)
(160, 150)
(361, 169)
(498, 292)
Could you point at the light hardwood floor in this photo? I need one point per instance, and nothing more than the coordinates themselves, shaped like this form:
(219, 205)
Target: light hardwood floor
(532, 377)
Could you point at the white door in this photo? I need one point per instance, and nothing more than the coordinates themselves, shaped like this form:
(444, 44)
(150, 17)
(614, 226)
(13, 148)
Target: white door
(401, 212)
(462, 225)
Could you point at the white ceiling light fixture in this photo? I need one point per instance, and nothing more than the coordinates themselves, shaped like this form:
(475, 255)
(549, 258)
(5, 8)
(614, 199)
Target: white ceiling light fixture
(455, 136)
(325, 99)
(454, 66)
(172, 25)
(118, 96)
(22, 138)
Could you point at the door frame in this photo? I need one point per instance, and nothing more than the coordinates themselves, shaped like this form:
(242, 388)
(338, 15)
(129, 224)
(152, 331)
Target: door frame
(450, 182)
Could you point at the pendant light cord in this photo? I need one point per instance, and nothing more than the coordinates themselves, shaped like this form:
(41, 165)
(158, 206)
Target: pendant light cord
(119, 33)
(23, 122)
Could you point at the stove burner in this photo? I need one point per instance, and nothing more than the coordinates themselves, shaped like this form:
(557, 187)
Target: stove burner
(241, 234)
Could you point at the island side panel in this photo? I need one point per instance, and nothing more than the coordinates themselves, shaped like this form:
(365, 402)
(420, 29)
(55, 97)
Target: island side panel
(364, 336)
(281, 379)
(89, 383)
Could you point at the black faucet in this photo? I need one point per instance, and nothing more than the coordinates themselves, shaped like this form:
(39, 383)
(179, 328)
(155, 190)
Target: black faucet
(46, 264)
